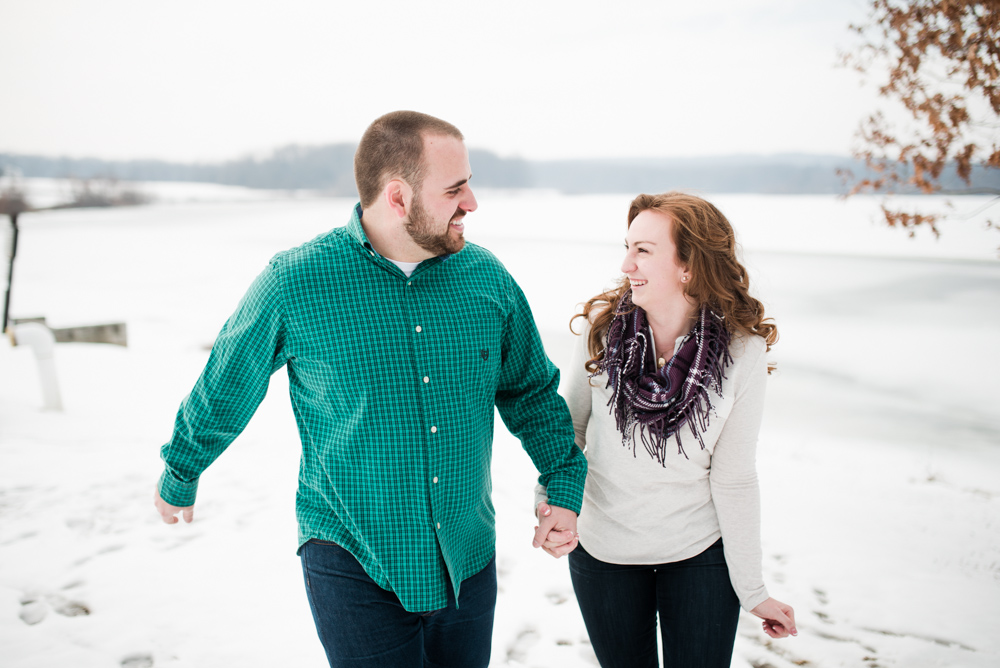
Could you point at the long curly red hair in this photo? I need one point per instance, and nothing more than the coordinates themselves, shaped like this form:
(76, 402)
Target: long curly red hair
(706, 245)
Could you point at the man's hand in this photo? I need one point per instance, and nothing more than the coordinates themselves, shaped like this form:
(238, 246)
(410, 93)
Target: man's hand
(168, 512)
(779, 618)
(556, 530)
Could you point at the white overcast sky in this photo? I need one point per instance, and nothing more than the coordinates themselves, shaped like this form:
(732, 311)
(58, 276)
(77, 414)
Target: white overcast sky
(218, 79)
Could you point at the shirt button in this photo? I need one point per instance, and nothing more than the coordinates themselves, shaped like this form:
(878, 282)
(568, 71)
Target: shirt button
(439, 525)
(434, 430)
(426, 379)
(435, 479)
(419, 328)
(409, 282)
(371, 253)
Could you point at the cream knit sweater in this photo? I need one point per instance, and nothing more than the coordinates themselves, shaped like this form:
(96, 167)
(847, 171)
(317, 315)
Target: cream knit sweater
(636, 511)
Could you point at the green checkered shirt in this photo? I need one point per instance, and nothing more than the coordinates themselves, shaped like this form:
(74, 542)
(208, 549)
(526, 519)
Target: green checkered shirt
(392, 381)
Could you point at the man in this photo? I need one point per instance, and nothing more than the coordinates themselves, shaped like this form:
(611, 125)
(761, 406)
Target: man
(399, 339)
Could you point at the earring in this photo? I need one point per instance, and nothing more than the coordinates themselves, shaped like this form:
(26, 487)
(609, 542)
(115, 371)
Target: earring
(684, 279)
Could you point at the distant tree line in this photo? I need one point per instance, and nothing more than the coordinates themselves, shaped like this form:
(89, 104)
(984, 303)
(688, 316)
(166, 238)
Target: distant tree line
(294, 167)
(329, 168)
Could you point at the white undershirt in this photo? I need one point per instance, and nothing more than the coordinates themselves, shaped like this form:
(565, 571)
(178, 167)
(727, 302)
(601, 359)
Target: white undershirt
(406, 267)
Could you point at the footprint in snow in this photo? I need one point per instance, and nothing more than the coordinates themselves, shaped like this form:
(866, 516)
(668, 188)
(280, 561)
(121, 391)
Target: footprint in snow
(69, 608)
(32, 612)
(557, 597)
(517, 651)
(23, 536)
(35, 608)
(139, 660)
(823, 600)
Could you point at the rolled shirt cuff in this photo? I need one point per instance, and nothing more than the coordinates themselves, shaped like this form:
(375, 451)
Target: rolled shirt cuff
(177, 492)
(564, 494)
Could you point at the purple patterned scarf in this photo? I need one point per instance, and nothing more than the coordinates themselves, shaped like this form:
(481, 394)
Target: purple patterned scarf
(661, 401)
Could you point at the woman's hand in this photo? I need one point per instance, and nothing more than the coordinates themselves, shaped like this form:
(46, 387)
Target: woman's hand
(779, 618)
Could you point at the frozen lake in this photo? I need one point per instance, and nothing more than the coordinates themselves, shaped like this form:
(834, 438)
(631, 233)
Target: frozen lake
(879, 455)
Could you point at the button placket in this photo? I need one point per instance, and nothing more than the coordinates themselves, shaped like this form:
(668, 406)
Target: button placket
(419, 347)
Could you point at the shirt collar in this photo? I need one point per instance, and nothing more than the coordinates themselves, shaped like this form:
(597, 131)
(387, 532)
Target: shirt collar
(357, 230)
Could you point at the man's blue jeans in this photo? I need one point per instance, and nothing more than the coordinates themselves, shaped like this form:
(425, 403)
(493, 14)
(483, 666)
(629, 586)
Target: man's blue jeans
(697, 606)
(361, 624)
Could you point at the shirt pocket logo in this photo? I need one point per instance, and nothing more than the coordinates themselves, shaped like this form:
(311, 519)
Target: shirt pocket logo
(485, 354)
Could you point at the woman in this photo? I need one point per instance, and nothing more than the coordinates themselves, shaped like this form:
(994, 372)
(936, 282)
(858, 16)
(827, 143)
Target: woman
(666, 391)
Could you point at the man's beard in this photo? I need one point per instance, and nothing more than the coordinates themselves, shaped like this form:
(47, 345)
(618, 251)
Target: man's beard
(421, 229)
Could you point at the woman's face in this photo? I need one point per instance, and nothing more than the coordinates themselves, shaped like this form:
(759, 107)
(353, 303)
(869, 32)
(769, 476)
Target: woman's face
(651, 264)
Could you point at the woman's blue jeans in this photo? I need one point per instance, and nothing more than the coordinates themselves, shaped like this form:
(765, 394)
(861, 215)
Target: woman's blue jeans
(361, 624)
(696, 603)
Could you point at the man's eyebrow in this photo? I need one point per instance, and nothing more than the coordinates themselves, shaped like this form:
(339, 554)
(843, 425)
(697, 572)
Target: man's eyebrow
(457, 184)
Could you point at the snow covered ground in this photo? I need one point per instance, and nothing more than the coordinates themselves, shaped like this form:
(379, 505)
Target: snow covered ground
(879, 456)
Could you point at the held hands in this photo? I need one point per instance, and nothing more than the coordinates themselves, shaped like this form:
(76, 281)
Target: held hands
(556, 530)
(168, 512)
(779, 618)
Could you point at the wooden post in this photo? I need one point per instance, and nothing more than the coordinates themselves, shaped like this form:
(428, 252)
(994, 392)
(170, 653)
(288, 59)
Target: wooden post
(10, 269)
(114, 333)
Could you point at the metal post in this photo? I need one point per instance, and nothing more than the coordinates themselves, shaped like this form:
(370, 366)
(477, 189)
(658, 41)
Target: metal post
(10, 270)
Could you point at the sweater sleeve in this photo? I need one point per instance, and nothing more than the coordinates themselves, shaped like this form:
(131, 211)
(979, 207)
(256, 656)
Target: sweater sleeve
(576, 389)
(733, 480)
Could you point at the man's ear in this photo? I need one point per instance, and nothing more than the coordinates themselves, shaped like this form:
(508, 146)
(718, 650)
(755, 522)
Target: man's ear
(398, 195)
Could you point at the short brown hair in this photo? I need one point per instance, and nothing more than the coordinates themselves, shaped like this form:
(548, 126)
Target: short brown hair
(706, 245)
(393, 147)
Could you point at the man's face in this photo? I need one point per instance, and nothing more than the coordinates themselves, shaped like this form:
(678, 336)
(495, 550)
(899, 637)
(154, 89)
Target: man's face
(435, 222)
